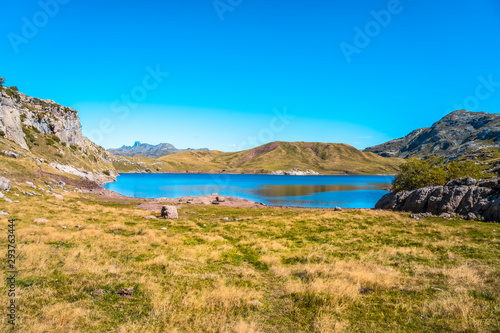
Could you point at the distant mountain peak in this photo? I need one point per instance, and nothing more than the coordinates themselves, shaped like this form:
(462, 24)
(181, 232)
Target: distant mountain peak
(147, 150)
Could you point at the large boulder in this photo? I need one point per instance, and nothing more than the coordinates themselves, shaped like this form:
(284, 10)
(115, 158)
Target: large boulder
(169, 212)
(5, 184)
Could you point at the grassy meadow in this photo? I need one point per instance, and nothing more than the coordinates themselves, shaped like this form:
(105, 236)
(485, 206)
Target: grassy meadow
(259, 270)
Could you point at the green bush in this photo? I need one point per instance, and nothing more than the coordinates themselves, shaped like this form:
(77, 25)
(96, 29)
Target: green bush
(106, 172)
(49, 141)
(2, 133)
(29, 136)
(415, 173)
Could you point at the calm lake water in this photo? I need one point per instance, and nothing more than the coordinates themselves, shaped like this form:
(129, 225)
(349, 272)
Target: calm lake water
(303, 191)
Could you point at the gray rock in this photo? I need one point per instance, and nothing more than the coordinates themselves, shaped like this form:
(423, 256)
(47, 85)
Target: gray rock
(5, 184)
(462, 182)
(58, 196)
(220, 199)
(471, 216)
(9, 153)
(417, 200)
(7, 200)
(3, 213)
(40, 220)
(337, 209)
(169, 212)
(490, 183)
(452, 200)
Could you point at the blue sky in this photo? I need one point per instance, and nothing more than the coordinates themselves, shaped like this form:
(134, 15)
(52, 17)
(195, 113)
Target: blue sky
(242, 73)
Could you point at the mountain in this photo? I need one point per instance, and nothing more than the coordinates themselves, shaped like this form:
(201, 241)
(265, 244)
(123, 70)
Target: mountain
(458, 134)
(147, 150)
(325, 158)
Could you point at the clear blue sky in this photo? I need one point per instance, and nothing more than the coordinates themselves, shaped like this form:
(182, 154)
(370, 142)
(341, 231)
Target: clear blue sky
(226, 76)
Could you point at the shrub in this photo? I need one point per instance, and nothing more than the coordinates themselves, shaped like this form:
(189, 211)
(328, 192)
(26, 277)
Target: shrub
(2, 133)
(415, 173)
(29, 136)
(106, 172)
(49, 141)
(23, 117)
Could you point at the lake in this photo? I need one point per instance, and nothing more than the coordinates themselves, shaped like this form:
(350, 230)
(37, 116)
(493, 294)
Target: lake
(302, 191)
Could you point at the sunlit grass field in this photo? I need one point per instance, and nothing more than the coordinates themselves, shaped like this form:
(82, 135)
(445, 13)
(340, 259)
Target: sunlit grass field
(259, 270)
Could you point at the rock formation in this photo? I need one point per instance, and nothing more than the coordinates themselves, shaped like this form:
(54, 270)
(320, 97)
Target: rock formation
(466, 197)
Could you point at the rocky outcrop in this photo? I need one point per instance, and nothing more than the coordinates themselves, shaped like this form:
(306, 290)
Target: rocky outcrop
(466, 197)
(294, 172)
(457, 134)
(46, 116)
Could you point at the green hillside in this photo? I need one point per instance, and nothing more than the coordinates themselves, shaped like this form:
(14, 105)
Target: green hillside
(325, 158)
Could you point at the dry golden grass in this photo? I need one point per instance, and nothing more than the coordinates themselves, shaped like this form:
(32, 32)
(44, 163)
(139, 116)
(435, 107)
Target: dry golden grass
(297, 270)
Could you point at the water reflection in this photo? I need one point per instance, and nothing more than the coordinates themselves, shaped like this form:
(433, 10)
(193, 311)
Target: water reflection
(301, 190)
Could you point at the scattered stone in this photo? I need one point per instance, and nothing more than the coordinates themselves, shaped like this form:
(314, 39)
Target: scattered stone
(58, 196)
(40, 220)
(9, 153)
(163, 228)
(5, 184)
(215, 193)
(220, 199)
(2, 195)
(169, 212)
(445, 215)
(225, 219)
(97, 292)
(64, 227)
(150, 217)
(126, 292)
(3, 213)
(30, 184)
(78, 226)
(8, 200)
(337, 209)
(215, 202)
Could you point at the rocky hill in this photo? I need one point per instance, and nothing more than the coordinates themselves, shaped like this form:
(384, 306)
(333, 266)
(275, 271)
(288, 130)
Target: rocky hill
(458, 134)
(42, 136)
(325, 158)
(147, 150)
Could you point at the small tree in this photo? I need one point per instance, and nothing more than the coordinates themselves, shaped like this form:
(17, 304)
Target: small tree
(415, 173)
(2, 81)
